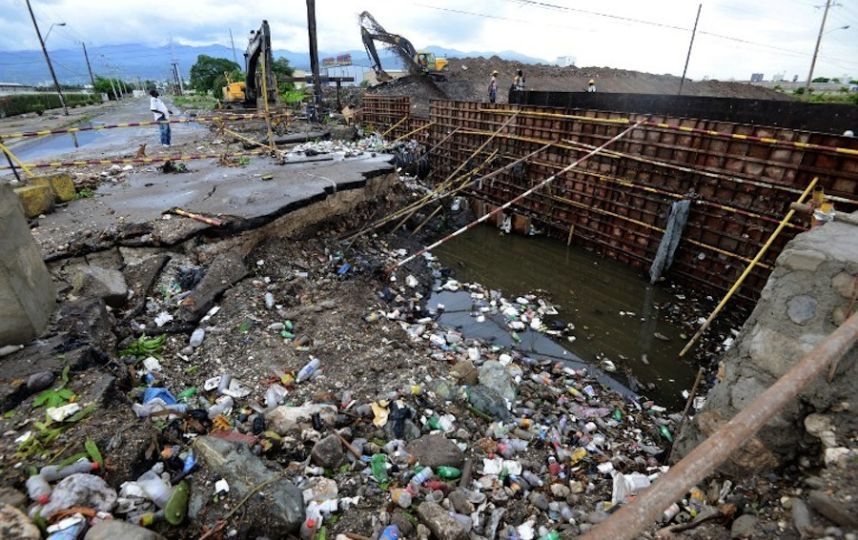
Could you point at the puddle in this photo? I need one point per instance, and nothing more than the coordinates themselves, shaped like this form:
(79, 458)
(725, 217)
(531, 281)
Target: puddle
(588, 291)
(52, 145)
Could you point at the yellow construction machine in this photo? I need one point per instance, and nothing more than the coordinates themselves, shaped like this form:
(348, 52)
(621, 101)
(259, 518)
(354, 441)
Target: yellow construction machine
(246, 93)
(417, 62)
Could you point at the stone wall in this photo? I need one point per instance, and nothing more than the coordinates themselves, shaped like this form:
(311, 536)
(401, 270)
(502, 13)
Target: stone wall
(814, 283)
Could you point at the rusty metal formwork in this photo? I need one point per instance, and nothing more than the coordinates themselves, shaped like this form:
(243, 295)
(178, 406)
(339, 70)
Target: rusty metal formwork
(617, 202)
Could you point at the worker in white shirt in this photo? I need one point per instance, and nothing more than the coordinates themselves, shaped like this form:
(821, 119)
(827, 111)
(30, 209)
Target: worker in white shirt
(162, 116)
(591, 86)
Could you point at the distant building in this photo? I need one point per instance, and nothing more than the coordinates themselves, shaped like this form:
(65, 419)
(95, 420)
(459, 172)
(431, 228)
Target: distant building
(565, 61)
(15, 88)
(756, 77)
(778, 77)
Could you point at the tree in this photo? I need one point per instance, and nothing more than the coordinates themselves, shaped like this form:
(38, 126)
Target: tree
(282, 70)
(103, 86)
(207, 73)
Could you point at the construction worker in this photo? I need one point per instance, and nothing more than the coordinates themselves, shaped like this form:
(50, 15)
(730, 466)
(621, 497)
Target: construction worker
(493, 87)
(518, 80)
(591, 86)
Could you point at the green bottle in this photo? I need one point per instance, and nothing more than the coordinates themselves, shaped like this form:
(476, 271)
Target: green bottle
(379, 468)
(448, 473)
(618, 414)
(553, 535)
(665, 433)
(187, 393)
(435, 422)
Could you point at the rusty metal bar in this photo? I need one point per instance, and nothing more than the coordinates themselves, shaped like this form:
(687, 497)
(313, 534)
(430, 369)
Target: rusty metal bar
(703, 460)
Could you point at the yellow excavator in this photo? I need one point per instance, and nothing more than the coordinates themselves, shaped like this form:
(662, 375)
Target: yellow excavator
(245, 94)
(417, 62)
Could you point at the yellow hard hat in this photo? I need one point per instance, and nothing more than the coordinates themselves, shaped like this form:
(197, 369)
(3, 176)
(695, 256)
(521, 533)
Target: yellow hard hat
(592, 81)
(495, 72)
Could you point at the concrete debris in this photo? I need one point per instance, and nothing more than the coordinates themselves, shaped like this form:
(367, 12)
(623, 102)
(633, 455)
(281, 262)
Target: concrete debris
(97, 282)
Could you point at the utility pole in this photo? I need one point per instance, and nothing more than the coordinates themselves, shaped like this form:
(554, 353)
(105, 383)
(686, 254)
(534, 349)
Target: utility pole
(234, 57)
(177, 78)
(48, 60)
(88, 67)
(690, 44)
(314, 56)
(815, 50)
(115, 95)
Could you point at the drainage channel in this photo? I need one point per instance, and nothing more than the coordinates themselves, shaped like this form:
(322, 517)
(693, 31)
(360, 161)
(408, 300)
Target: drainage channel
(614, 309)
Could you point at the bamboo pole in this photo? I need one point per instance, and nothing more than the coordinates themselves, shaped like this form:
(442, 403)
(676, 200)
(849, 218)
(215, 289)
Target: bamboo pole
(747, 270)
(265, 100)
(519, 197)
(412, 132)
(14, 158)
(394, 126)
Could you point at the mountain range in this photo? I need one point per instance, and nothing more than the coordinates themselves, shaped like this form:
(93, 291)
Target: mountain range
(133, 60)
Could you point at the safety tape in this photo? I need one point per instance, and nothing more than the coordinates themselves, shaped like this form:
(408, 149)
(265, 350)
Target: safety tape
(98, 127)
(134, 161)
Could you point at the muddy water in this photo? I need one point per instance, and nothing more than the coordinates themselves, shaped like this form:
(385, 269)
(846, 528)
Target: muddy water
(588, 291)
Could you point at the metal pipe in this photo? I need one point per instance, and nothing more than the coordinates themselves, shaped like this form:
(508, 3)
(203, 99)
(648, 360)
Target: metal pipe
(747, 270)
(627, 522)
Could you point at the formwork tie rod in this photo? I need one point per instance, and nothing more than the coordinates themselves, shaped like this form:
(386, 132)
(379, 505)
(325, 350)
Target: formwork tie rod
(627, 522)
(521, 196)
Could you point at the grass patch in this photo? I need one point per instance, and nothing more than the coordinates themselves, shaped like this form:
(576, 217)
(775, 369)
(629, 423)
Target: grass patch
(40, 102)
(196, 102)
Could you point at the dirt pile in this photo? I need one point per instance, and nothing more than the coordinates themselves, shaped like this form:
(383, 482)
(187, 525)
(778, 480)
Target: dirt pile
(468, 80)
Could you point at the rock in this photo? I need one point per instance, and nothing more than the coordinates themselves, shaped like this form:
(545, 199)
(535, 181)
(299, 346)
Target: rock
(835, 510)
(15, 524)
(460, 502)
(88, 320)
(494, 375)
(801, 308)
(435, 450)
(343, 133)
(285, 418)
(560, 491)
(39, 381)
(60, 184)
(539, 500)
(280, 506)
(26, 286)
(13, 497)
(116, 528)
(487, 401)
(141, 276)
(439, 521)
(401, 520)
(223, 272)
(35, 200)
(80, 490)
(98, 282)
(328, 452)
(845, 284)
(801, 517)
(801, 259)
(465, 371)
(743, 526)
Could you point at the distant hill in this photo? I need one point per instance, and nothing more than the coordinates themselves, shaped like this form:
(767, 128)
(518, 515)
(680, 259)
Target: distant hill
(136, 60)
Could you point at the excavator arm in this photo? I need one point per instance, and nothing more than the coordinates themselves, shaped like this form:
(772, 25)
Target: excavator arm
(371, 32)
(259, 44)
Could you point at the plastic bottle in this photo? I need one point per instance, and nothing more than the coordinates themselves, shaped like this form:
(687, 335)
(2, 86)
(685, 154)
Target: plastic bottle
(52, 473)
(448, 473)
(147, 409)
(155, 488)
(379, 468)
(269, 300)
(308, 529)
(223, 383)
(532, 479)
(422, 476)
(38, 489)
(222, 404)
(197, 337)
(308, 370)
(391, 532)
(553, 535)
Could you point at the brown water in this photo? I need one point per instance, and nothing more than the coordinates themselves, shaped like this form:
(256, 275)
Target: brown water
(590, 292)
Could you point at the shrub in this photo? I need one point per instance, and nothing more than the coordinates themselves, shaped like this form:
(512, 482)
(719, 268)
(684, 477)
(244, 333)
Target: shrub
(39, 103)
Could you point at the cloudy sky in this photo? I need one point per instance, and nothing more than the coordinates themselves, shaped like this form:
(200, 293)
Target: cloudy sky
(735, 37)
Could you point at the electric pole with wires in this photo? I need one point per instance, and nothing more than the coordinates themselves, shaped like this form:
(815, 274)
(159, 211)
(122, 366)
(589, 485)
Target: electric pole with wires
(48, 59)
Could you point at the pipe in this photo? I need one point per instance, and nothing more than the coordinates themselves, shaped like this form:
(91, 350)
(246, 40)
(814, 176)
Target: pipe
(702, 461)
(747, 270)
(520, 196)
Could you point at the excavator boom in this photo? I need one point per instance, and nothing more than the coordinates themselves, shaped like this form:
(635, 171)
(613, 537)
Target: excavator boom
(372, 31)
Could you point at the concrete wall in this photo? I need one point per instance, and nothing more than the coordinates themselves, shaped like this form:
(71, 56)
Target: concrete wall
(27, 294)
(814, 282)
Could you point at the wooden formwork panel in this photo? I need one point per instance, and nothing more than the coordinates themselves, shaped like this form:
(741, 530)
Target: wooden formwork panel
(617, 202)
(391, 115)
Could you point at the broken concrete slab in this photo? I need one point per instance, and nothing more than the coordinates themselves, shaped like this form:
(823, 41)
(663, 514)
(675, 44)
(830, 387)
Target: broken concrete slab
(88, 321)
(279, 506)
(61, 185)
(27, 293)
(140, 278)
(35, 200)
(223, 273)
(98, 282)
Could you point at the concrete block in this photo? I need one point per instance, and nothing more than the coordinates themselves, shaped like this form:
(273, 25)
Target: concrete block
(801, 259)
(27, 294)
(97, 282)
(36, 200)
(61, 184)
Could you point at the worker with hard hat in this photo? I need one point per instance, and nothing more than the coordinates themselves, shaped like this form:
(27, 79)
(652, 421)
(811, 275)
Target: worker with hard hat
(493, 87)
(591, 86)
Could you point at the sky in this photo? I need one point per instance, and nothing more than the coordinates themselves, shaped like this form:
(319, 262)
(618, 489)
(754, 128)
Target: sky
(735, 37)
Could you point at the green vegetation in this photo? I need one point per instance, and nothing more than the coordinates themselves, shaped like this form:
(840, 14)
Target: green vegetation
(103, 86)
(293, 96)
(282, 70)
(39, 103)
(196, 102)
(849, 99)
(145, 346)
(207, 74)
